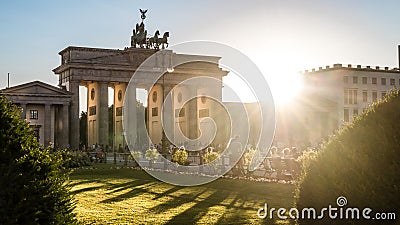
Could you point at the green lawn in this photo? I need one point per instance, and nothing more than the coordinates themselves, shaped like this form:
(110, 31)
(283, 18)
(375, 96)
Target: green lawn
(117, 195)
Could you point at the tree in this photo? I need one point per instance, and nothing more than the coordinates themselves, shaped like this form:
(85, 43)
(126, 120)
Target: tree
(32, 185)
(361, 163)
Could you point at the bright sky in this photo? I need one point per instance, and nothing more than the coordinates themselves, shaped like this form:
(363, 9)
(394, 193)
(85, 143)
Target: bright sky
(281, 37)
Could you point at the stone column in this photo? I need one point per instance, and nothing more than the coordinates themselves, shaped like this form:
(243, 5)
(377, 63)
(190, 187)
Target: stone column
(65, 128)
(193, 119)
(168, 113)
(23, 113)
(103, 113)
(74, 115)
(130, 118)
(47, 124)
(118, 104)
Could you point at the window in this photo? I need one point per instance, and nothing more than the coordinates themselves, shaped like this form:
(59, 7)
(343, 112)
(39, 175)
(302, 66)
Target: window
(203, 99)
(383, 81)
(383, 94)
(354, 96)
(34, 114)
(374, 80)
(118, 111)
(92, 110)
(203, 113)
(364, 80)
(350, 96)
(154, 111)
(180, 97)
(392, 82)
(374, 96)
(346, 115)
(119, 95)
(355, 112)
(36, 131)
(92, 94)
(180, 112)
(355, 80)
(154, 97)
(345, 79)
(365, 96)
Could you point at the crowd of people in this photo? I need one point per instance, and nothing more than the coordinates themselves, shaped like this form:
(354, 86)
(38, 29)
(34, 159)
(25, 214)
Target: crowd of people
(234, 147)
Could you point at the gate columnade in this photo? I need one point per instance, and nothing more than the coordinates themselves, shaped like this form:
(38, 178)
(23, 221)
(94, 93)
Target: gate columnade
(98, 69)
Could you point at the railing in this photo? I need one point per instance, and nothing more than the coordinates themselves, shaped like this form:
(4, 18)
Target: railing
(107, 157)
(273, 168)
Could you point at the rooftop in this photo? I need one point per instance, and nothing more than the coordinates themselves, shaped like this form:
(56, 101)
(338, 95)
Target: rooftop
(339, 66)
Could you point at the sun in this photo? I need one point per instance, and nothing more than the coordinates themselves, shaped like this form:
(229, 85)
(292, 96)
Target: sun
(285, 85)
(281, 67)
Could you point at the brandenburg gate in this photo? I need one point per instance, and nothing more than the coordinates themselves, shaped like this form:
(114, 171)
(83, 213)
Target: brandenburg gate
(98, 69)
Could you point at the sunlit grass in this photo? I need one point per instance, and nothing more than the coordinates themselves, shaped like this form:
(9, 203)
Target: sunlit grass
(107, 195)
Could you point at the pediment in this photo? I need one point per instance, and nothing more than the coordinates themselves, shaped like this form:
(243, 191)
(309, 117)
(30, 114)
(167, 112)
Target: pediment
(35, 88)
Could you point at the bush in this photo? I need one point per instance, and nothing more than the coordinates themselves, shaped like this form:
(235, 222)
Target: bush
(33, 189)
(152, 154)
(180, 156)
(210, 157)
(248, 156)
(361, 162)
(135, 155)
(73, 159)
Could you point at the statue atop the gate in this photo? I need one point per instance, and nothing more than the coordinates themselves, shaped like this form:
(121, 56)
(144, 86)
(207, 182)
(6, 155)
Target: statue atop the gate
(139, 38)
(143, 12)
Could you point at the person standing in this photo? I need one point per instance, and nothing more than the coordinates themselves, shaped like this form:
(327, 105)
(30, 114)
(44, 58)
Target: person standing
(235, 149)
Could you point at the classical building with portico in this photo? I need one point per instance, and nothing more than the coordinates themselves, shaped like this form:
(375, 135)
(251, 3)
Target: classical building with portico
(46, 108)
(98, 69)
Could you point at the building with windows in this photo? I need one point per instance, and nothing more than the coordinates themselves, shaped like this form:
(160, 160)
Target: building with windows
(334, 95)
(45, 108)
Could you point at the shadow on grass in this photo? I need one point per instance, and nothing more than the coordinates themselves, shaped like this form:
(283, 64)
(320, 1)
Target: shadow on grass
(123, 186)
(106, 185)
(87, 189)
(240, 210)
(132, 193)
(176, 201)
(201, 208)
(85, 182)
(234, 214)
(224, 201)
(168, 192)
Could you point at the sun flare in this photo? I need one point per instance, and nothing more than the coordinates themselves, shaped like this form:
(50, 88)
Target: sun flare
(285, 86)
(281, 69)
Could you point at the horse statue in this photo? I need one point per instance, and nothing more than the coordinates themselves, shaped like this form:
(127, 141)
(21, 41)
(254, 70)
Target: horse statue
(163, 41)
(139, 36)
(153, 41)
